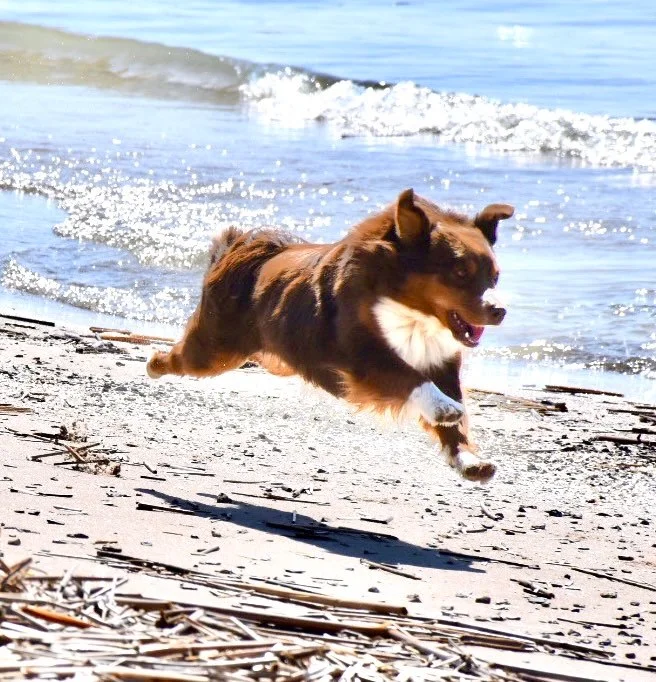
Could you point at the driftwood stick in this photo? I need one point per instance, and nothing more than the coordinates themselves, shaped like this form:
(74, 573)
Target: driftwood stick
(160, 649)
(17, 318)
(281, 498)
(478, 557)
(310, 624)
(82, 462)
(144, 674)
(389, 569)
(401, 635)
(375, 607)
(145, 506)
(624, 440)
(575, 389)
(494, 516)
(139, 339)
(606, 576)
(512, 636)
(54, 616)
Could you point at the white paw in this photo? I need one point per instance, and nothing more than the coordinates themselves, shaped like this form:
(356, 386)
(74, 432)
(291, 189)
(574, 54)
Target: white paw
(435, 406)
(472, 468)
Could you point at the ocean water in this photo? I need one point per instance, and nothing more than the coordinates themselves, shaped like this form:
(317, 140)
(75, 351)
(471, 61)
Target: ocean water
(132, 132)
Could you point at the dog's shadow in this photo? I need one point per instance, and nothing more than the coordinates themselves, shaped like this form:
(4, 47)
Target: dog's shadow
(381, 548)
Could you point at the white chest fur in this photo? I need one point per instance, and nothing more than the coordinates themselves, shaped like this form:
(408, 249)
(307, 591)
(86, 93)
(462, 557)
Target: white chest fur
(420, 340)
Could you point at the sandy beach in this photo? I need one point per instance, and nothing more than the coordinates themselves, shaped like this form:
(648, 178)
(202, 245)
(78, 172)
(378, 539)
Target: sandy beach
(264, 479)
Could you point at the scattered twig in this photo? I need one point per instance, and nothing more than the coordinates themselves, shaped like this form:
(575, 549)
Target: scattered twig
(389, 569)
(574, 390)
(479, 557)
(494, 516)
(18, 318)
(608, 576)
(281, 498)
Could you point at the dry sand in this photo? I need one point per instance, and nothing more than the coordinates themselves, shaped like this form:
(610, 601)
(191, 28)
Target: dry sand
(255, 458)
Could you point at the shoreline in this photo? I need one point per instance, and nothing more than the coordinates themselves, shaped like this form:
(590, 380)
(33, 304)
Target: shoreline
(36, 214)
(233, 473)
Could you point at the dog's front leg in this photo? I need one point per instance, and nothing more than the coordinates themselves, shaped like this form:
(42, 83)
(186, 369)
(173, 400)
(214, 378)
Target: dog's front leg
(380, 380)
(457, 446)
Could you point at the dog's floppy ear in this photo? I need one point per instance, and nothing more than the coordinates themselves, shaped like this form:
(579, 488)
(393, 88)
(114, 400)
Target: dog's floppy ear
(488, 219)
(412, 225)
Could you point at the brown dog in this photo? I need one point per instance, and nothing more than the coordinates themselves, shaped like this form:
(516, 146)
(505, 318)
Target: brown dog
(379, 318)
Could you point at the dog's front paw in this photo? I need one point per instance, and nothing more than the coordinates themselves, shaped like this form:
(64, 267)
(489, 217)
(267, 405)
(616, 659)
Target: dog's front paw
(435, 406)
(471, 468)
(154, 365)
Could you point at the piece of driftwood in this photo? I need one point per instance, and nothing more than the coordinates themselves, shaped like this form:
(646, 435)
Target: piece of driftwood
(637, 439)
(6, 408)
(479, 557)
(518, 403)
(389, 569)
(281, 498)
(608, 576)
(95, 632)
(323, 531)
(137, 339)
(554, 388)
(146, 506)
(30, 320)
(55, 617)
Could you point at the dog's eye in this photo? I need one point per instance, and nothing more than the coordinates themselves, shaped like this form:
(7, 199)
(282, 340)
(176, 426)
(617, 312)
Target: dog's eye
(461, 272)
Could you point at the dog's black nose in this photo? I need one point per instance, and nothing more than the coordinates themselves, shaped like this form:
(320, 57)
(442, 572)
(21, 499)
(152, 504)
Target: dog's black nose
(497, 314)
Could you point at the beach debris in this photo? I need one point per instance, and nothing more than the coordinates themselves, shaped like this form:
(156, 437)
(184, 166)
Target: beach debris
(280, 498)
(515, 403)
(385, 521)
(389, 569)
(553, 388)
(80, 626)
(637, 439)
(145, 506)
(6, 408)
(494, 516)
(90, 457)
(126, 336)
(608, 576)
(324, 531)
(29, 320)
(89, 347)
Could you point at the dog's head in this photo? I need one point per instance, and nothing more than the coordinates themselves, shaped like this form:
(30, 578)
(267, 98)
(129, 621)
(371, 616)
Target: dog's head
(448, 264)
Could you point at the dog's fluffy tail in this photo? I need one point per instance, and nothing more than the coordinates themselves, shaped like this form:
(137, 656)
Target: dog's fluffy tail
(222, 243)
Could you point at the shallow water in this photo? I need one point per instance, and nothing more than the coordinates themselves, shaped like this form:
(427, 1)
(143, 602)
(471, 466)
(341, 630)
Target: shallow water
(133, 133)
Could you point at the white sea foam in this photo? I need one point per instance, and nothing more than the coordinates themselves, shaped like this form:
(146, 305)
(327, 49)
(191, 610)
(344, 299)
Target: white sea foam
(167, 305)
(407, 109)
(291, 97)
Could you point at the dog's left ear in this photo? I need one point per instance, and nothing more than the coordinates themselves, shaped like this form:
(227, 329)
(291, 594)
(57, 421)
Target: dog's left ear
(412, 226)
(488, 219)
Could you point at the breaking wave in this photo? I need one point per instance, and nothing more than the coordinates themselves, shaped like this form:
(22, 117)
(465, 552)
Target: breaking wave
(167, 305)
(289, 96)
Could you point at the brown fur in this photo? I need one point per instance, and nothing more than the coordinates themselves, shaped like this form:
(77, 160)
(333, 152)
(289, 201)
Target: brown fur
(308, 309)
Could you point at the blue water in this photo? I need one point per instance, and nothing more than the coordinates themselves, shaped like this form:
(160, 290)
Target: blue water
(132, 132)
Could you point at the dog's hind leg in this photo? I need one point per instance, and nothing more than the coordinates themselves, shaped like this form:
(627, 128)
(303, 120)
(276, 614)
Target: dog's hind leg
(199, 354)
(273, 364)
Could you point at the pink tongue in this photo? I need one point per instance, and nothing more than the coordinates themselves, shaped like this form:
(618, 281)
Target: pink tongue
(476, 332)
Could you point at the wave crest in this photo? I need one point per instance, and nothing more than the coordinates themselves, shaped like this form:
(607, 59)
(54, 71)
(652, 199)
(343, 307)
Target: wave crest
(291, 96)
(407, 109)
(167, 305)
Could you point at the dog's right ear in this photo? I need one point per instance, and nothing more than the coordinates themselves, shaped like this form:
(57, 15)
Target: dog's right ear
(412, 226)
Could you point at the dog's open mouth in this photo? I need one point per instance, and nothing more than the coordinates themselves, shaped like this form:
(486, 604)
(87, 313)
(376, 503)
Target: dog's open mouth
(468, 334)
